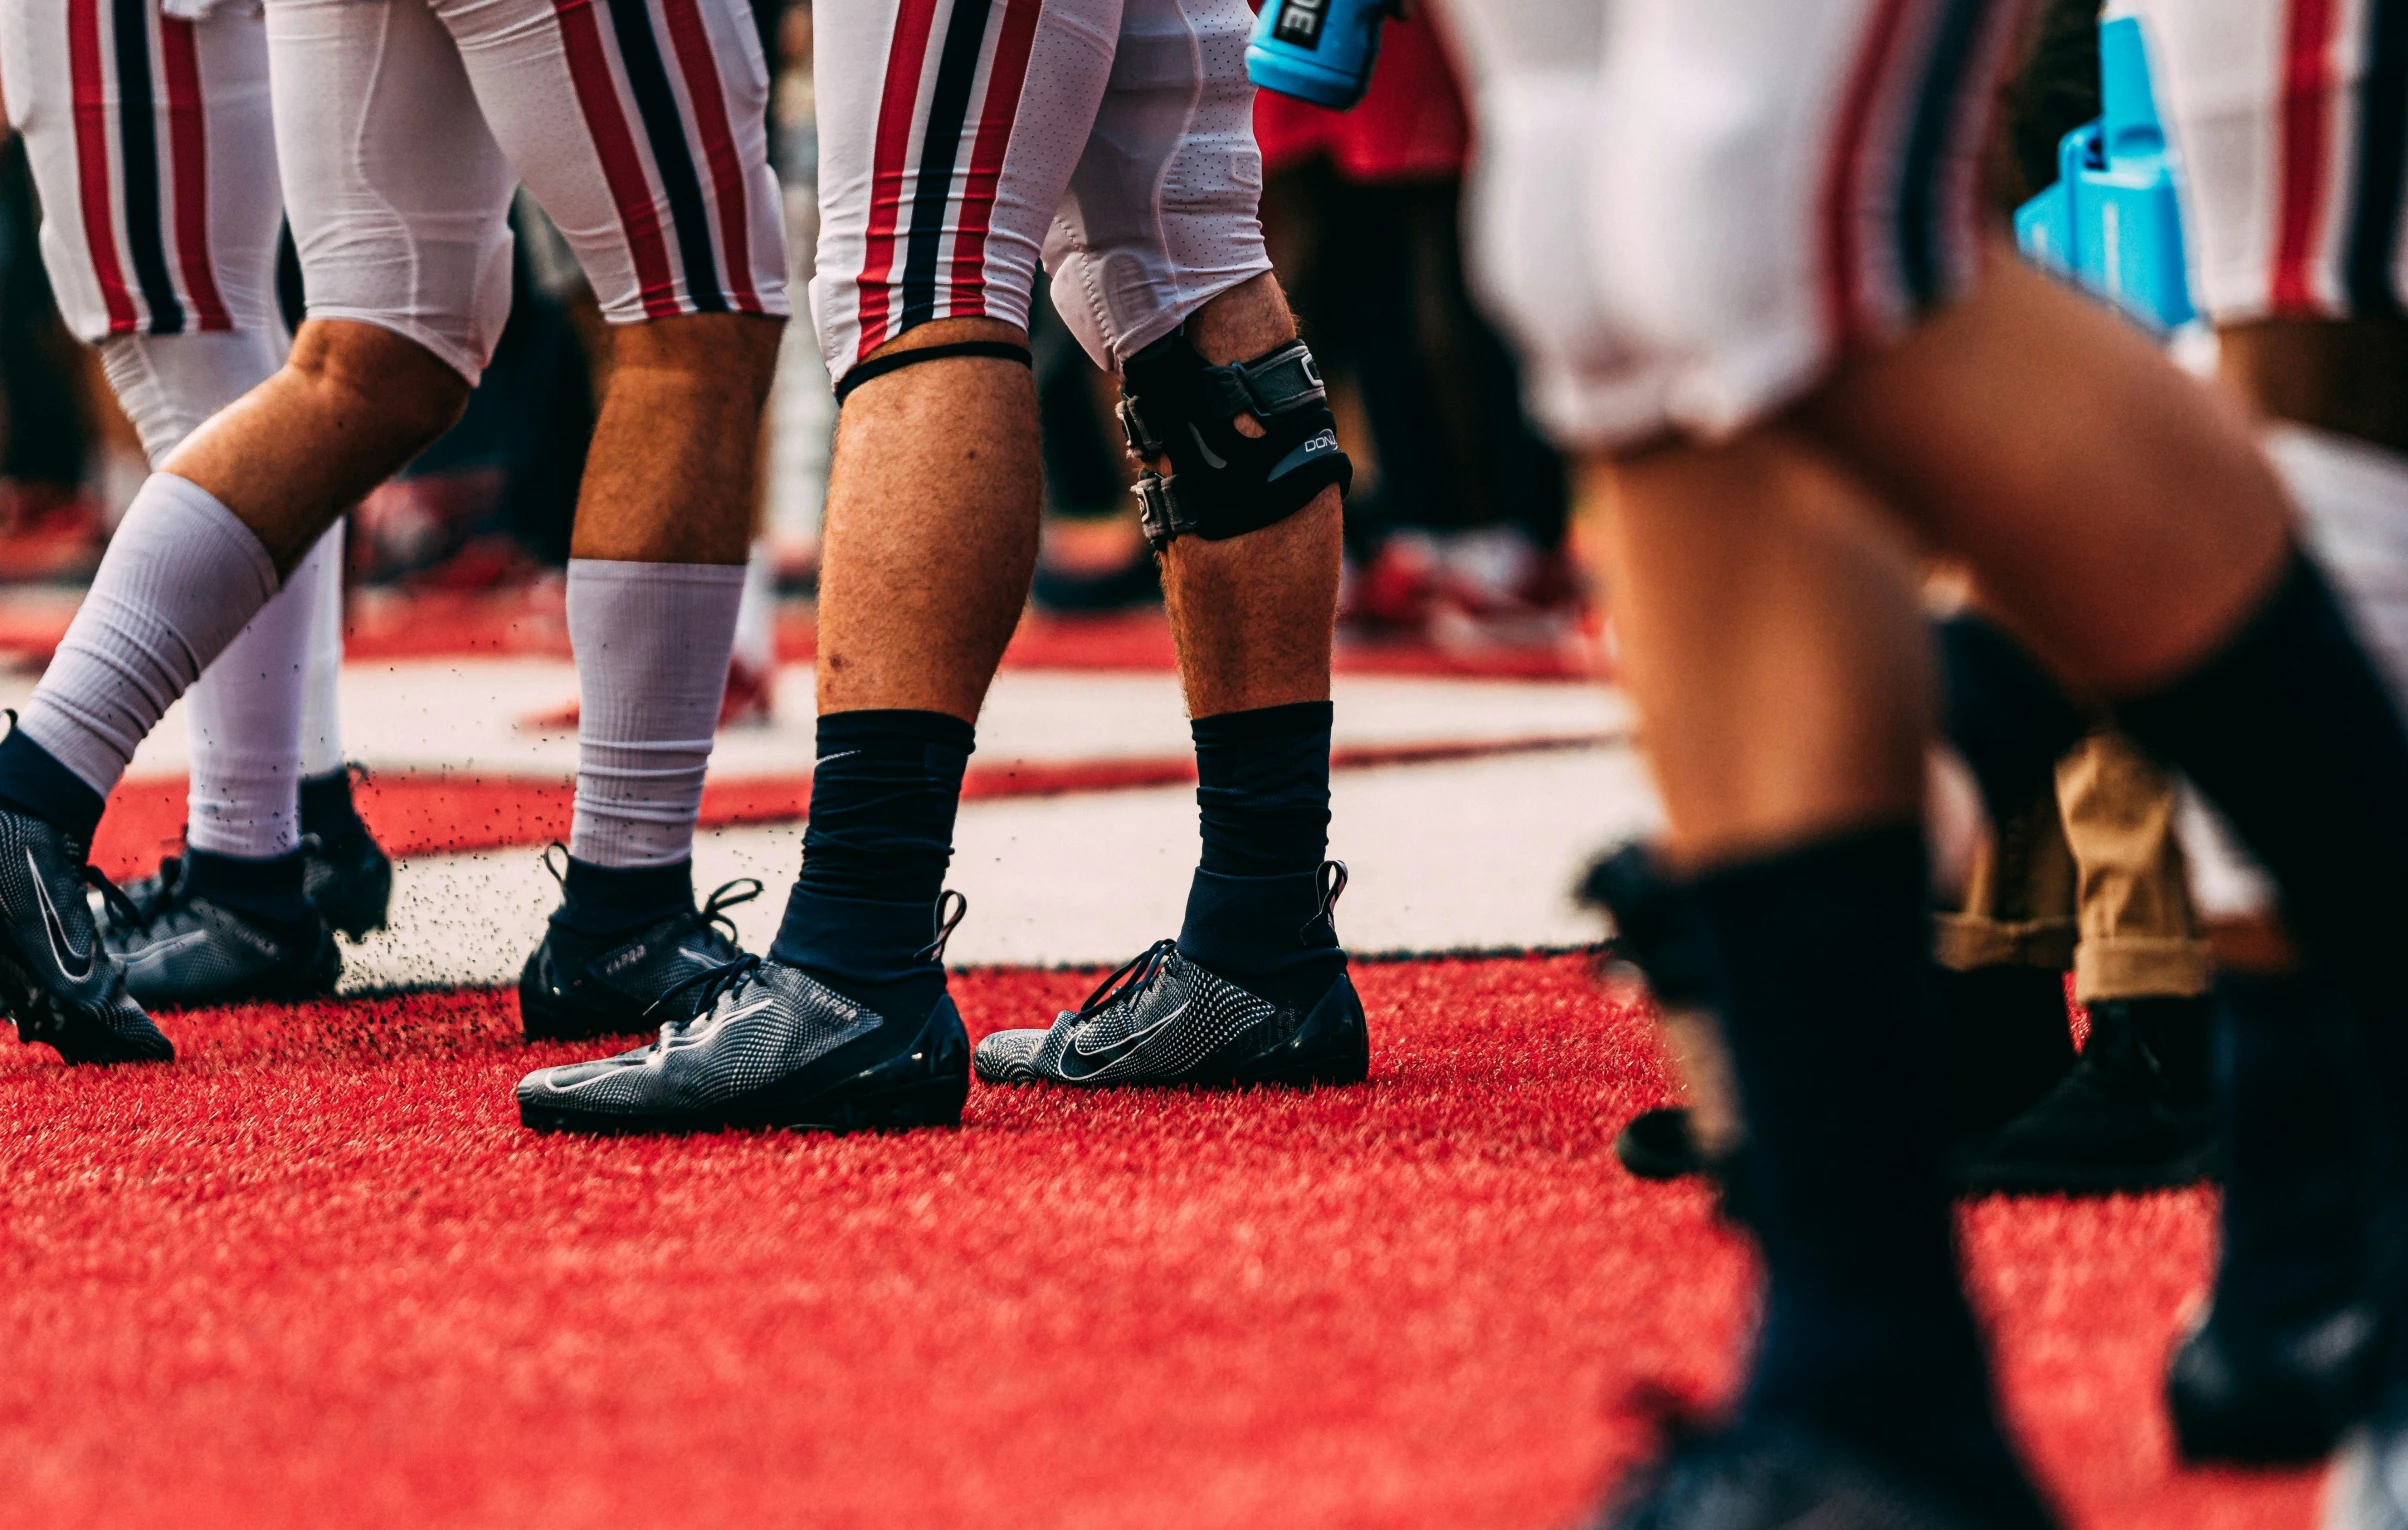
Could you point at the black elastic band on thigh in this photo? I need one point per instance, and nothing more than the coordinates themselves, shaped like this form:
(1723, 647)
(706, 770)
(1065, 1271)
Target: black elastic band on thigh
(895, 361)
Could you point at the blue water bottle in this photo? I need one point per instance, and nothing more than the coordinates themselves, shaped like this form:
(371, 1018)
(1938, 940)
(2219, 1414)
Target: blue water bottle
(1317, 50)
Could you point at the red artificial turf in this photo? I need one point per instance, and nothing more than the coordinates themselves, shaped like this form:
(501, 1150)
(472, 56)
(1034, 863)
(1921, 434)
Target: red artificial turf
(316, 1274)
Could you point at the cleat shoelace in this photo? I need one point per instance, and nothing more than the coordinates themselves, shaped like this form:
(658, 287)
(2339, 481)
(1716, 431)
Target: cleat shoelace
(1129, 982)
(124, 912)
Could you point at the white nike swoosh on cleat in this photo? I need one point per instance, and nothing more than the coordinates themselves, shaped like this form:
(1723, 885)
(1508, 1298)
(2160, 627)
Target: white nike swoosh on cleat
(54, 929)
(1130, 1042)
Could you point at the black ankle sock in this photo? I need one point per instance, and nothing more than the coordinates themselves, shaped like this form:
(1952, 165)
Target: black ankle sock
(1826, 978)
(1275, 936)
(614, 900)
(882, 955)
(33, 781)
(266, 891)
(1262, 789)
(883, 797)
(1255, 912)
(2291, 733)
(327, 809)
(2295, 1158)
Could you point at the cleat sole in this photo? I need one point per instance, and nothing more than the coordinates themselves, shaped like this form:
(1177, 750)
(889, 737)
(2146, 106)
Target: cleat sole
(69, 1029)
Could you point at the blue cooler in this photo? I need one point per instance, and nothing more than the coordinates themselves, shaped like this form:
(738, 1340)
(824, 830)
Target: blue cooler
(2112, 222)
(1320, 51)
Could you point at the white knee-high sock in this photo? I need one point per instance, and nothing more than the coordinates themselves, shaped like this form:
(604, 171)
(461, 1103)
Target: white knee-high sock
(249, 739)
(247, 711)
(652, 642)
(321, 696)
(181, 578)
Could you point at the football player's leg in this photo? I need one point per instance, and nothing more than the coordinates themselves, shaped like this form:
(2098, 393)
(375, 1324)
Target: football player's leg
(657, 174)
(1772, 645)
(931, 528)
(243, 500)
(229, 917)
(1159, 268)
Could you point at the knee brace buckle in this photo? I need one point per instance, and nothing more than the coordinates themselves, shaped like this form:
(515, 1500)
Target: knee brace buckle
(1224, 483)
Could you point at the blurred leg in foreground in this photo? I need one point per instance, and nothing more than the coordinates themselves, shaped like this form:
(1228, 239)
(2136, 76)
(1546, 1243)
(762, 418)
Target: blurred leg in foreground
(1786, 431)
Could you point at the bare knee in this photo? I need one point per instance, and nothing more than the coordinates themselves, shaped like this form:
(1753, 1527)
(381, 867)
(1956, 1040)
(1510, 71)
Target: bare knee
(408, 395)
(730, 354)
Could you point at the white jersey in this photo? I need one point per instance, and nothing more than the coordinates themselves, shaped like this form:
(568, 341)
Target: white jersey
(963, 141)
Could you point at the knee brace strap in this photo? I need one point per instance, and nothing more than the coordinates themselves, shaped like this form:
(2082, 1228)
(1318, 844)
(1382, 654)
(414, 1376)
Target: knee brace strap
(1224, 483)
(896, 361)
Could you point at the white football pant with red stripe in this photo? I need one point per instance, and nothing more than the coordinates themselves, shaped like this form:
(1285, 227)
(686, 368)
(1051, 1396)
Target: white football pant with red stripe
(155, 162)
(1689, 210)
(404, 126)
(963, 141)
(2290, 122)
(151, 149)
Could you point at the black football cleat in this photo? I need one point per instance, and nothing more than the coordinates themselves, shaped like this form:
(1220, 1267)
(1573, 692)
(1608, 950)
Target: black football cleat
(181, 949)
(1662, 1144)
(2260, 1395)
(1162, 1019)
(578, 986)
(1775, 1478)
(350, 879)
(771, 1047)
(58, 982)
(2292, 1349)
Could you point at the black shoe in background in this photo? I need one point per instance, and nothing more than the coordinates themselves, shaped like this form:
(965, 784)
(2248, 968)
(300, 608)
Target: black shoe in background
(350, 879)
(2136, 1112)
(182, 949)
(58, 982)
(2010, 1042)
(577, 986)
(1775, 1477)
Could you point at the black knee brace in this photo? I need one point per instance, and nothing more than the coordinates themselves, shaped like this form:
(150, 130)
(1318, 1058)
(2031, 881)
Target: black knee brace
(1224, 484)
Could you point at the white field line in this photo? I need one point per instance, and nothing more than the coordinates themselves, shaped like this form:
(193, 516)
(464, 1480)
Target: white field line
(1465, 854)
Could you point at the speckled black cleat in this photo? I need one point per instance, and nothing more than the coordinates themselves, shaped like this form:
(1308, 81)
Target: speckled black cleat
(772, 1047)
(58, 982)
